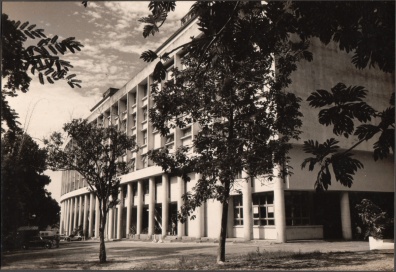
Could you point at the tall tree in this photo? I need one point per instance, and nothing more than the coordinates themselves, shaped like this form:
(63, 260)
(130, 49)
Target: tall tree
(229, 87)
(42, 59)
(95, 152)
(366, 29)
(357, 27)
(23, 192)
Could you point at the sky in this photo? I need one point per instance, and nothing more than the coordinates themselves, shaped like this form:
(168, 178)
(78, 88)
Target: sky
(113, 41)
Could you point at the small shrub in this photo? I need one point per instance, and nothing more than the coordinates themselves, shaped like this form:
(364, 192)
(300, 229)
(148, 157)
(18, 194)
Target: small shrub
(377, 223)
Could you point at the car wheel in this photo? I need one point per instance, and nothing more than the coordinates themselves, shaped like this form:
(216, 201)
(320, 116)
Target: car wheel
(79, 239)
(48, 245)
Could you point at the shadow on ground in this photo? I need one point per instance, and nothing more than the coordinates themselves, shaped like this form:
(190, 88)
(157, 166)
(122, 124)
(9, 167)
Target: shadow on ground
(306, 261)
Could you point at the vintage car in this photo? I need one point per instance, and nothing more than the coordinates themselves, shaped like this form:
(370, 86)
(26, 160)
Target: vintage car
(73, 237)
(37, 241)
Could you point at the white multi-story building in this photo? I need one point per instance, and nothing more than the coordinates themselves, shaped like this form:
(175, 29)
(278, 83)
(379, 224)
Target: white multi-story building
(278, 210)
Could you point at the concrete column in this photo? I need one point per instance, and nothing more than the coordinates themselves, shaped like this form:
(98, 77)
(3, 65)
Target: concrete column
(97, 217)
(247, 208)
(129, 208)
(119, 215)
(75, 213)
(165, 204)
(85, 229)
(61, 217)
(181, 186)
(67, 216)
(139, 207)
(91, 218)
(110, 223)
(345, 216)
(70, 220)
(71, 216)
(279, 207)
(63, 221)
(151, 206)
(199, 213)
(80, 211)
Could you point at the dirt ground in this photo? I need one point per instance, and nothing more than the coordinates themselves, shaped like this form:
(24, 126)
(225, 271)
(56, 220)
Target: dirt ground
(254, 255)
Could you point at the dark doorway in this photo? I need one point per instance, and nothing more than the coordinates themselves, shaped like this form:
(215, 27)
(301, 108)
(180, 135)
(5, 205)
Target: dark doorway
(158, 219)
(123, 222)
(145, 219)
(133, 221)
(327, 212)
(172, 218)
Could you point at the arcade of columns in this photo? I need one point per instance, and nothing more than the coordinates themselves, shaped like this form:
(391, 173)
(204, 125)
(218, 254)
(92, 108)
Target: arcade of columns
(81, 216)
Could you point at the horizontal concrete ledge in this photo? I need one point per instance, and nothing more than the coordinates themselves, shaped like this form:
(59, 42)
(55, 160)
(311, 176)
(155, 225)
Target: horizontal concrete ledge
(379, 244)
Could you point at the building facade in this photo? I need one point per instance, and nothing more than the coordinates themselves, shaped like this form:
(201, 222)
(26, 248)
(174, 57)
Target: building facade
(276, 210)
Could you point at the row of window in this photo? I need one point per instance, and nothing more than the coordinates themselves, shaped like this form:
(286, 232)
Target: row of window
(297, 206)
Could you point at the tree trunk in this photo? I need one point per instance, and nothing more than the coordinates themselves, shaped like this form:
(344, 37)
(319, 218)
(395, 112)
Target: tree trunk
(102, 247)
(224, 219)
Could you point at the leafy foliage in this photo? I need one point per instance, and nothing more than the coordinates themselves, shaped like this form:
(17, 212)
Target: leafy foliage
(377, 223)
(95, 153)
(326, 154)
(357, 27)
(40, 59)
(23, 192)
(155, 20)
(346, 105)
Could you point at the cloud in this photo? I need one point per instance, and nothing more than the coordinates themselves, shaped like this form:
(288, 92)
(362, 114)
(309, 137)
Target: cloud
(94, 15)
(45, 108)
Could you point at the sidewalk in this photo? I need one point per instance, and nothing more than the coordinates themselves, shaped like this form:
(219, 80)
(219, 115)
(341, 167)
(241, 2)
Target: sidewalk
(237, 245)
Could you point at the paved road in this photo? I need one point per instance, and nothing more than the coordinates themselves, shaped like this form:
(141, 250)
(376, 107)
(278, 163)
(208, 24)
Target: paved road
(127, 254)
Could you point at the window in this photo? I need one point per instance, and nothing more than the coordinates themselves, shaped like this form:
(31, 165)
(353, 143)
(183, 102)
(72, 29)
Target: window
(144, 114)
(186, 132)
(134, 141)
(133, 120)
(169, 141)
(124, 114)
(297, 209)
(145, 91)
(132, 165)
(144, 161)
(238, 210)
(263, 209)
(133, 99)
(144, 137)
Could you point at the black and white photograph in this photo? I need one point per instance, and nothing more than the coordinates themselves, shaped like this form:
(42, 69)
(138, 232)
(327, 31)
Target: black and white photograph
(198, 135)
